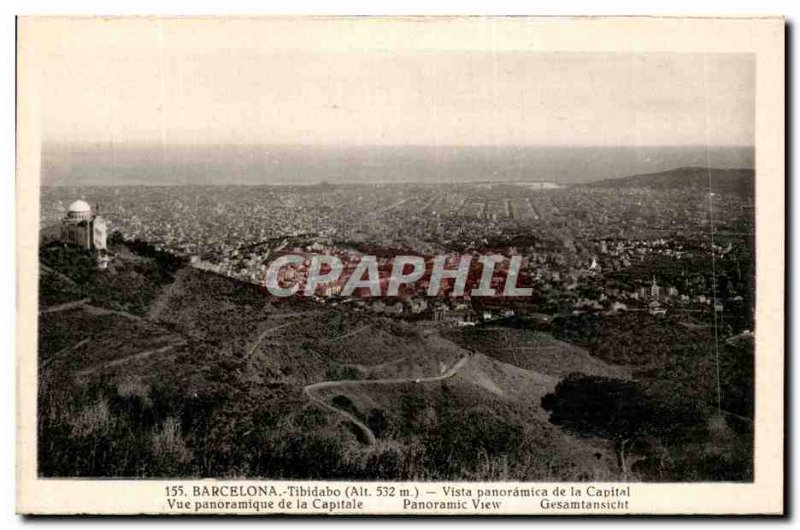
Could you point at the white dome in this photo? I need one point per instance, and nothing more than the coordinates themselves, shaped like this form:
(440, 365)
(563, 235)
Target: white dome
(79, 206)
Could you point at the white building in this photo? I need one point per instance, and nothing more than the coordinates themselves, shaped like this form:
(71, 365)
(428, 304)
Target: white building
(82, 228)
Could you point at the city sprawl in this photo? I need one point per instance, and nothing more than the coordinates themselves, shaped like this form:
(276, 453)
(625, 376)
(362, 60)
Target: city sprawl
(582, 247)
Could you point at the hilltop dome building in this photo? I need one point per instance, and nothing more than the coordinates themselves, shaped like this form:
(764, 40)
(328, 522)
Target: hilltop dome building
(83, 228)
(79, 210)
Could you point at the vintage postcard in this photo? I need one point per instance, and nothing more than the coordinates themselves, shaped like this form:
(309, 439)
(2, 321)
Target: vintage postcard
(406, 266)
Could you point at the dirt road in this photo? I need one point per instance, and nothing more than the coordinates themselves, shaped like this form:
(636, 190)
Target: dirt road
(312, 389)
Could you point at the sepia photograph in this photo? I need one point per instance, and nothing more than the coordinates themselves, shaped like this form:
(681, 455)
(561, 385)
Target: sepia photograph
(287, 258)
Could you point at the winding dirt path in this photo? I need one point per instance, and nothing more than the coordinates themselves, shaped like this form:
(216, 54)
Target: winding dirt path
(256, 343)
(65, 307)
(310, 391)
(348, 335)
(61, 353)
(127, 358)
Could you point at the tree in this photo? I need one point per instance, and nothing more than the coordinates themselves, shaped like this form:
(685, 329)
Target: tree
(613, 409)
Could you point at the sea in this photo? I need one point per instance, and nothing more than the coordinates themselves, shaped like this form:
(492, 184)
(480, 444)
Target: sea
(65, 164)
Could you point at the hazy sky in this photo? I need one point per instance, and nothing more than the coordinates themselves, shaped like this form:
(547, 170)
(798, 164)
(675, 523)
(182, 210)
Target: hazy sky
(173, 82)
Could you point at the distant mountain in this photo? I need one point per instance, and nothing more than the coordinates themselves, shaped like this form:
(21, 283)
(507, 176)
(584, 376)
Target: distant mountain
(718, 180)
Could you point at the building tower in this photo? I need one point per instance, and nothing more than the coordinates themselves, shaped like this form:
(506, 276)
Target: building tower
(655, 290)
(85, 229)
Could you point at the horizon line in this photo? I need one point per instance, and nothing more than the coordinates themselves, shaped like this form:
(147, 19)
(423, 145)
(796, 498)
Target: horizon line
(154, 143)
(325, 182)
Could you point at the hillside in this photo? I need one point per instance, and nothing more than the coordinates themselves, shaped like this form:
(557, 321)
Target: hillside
(741, 181)
(153, 369)
(536, 351)
(482, 420)
(130, 284)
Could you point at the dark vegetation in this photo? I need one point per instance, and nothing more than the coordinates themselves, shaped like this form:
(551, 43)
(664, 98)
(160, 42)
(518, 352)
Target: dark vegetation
(666, 353)
(674, 398)
(135, 275)
(654, 434)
